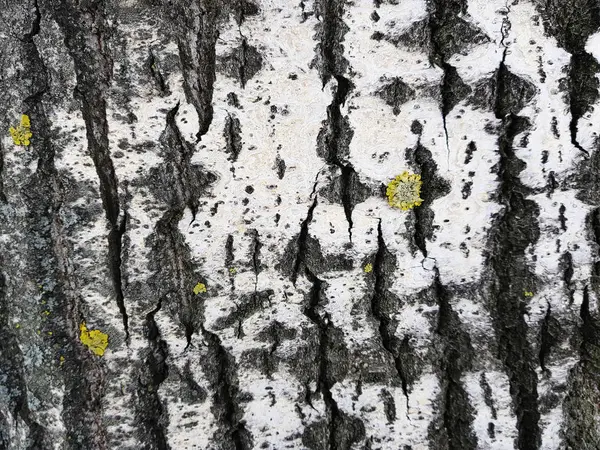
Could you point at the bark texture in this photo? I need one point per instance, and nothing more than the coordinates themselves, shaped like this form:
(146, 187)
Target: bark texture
(206, 184)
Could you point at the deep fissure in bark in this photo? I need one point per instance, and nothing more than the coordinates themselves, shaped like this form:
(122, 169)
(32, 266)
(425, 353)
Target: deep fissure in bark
(386, 330)
(572, 22)
(455, 356)
(302, 237)
(333, 141)
(156, 73)
(226, 392)
(336, 134)
(196, 42)
(93, 69)
(150, 412)
(433, 187)
(441, 13)
(324, 382)
(514, 230)
(190, 182)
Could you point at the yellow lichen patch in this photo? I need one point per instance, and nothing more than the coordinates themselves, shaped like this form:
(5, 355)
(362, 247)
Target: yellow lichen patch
(22, 132)
(404, 190)
(199, 288)
(232, 270)
(528, 294)
(95, 340)
(369, 268)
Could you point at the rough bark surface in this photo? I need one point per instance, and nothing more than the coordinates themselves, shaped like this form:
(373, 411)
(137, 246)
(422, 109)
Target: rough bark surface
(206, 183)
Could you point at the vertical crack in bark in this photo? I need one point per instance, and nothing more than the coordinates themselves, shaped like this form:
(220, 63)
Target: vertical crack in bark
(433, 187)
(583, 90)
(301, 252)
(437, 16)
(174, 271)
(325, 381)
(572, 22)
(226, 392)
(546, 339)
(378, 304)
(197, 34)
(333, 142)
(256, 246)
(187, 183)
(156, 73)
(150, 412)
(35, 26)
(83, 28)
(456, 355)
(336, 134)
(515, 229)
(115, 247)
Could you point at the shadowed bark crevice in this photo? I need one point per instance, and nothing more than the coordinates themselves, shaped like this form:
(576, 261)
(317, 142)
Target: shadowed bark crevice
(150, 412)
(333, 144)
(335, 136)
(572, 22)
(157, 76)
(382, 303)
(548, 339)
(331, 29)
(583, 385)
(223, 378)
(515, 228)
(83, 27)
(445, 33)
(339, 431)
(196, 31)
(433, 187)
(187, 184)
(302, 240)
(176, 275)
(455, 430)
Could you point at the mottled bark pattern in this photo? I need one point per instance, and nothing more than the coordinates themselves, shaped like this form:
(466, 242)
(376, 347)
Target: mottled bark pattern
(206, 184)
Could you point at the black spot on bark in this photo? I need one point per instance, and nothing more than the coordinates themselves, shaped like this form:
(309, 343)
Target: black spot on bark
(395, 93)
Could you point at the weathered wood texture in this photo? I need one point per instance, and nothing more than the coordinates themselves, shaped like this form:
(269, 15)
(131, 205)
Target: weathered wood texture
(246, 145)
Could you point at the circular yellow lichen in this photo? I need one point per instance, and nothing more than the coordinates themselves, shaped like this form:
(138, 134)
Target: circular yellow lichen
(404, 191)
(21, 134)
(95, 340)
(200, 288)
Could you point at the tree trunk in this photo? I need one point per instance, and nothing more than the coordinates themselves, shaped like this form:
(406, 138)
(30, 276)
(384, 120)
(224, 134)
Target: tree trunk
(205, 187)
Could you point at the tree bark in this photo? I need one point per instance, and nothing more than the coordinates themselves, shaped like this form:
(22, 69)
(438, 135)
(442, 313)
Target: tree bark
(206, 186)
